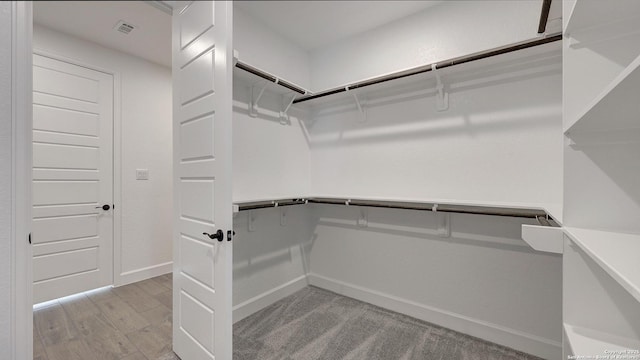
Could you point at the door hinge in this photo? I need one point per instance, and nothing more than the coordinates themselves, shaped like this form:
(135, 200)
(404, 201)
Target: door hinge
(29, 238)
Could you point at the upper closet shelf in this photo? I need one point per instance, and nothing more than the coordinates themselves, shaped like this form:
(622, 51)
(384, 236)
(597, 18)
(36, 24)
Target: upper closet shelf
(254, 76)
(615, 108)
(464, 207)
(587, 342)
(585, 13)
(491, 62)
(616, 253)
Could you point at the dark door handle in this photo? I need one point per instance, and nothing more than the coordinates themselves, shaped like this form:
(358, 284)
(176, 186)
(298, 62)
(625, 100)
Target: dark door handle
(104, 207)
(217, 236)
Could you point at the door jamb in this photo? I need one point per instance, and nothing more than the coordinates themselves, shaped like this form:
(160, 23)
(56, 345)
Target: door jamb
(20, 311)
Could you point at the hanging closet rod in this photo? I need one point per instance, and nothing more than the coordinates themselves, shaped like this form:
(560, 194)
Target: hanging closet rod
(538, 214)
(269, 77)
(440, 65)
(544, 16)
(270, 203)
(462, 209)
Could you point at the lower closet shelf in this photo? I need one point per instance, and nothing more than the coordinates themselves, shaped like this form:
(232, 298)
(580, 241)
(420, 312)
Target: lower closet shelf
(616, 253)
(592, 343)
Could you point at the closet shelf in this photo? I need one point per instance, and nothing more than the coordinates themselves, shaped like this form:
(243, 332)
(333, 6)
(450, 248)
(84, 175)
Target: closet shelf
(616, 253)
(254, 76)
(263, 204)
(481, 208)
(589, 342)
(508, 53)
(586, 13)
(617, 106)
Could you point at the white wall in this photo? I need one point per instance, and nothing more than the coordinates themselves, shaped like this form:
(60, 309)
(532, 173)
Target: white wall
(270, 160)
(145, 112)
(260, 47)
(483, 280)
(500, 141)
(270, 261)
(443, 31)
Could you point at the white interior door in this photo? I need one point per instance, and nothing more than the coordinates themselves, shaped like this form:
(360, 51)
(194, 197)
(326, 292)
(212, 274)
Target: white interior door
(72, 178)
(202, 108)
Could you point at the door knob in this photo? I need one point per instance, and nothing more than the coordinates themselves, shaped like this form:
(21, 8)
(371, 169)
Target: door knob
(104, 207)
(217, 236)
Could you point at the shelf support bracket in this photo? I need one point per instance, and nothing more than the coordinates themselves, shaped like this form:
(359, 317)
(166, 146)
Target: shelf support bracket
(362, 110)
(442, 97)
(284, 114)
(255, 98)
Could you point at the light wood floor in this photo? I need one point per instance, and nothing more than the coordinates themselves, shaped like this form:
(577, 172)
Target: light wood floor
(132, 322)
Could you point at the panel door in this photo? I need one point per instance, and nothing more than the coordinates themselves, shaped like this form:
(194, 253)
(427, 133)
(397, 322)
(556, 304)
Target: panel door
(72, 178)
(202, 105)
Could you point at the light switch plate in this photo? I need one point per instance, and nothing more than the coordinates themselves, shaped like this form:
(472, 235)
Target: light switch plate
(142, 174)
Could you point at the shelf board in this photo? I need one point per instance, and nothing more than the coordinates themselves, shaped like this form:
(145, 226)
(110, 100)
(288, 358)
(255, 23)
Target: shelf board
(616, 107)
(587, 14)
(589, 342)
(524, 61)
(250, 79)
(493, 204)
(616, 253)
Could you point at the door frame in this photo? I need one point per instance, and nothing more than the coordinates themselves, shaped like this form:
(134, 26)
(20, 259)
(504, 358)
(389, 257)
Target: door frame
(20, 69)
(116, 139)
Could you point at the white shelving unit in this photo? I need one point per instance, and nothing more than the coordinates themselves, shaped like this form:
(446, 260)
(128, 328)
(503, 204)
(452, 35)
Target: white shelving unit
(601, 266)
(617, 106)
(587, 341)
(616, 253)
(588, 14)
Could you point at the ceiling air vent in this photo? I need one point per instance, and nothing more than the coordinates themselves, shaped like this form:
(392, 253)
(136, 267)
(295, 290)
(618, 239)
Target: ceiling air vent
(124, 27)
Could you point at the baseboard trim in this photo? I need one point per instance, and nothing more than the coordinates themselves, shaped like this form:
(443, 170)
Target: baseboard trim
(515, 339)
(143, 274)
(265, 299)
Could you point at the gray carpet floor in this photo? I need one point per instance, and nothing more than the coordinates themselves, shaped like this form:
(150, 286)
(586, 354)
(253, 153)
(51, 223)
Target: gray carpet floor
(315, 324)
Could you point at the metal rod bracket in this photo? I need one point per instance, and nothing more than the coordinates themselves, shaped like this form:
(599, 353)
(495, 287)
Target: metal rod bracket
(361, 106)
(284, 114)
(255, 98)
(442, 97)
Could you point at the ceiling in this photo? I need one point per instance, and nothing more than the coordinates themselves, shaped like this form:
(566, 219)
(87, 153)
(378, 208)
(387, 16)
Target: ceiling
(94, 21)
(313, 24)
(151, 40)
(308, 24)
